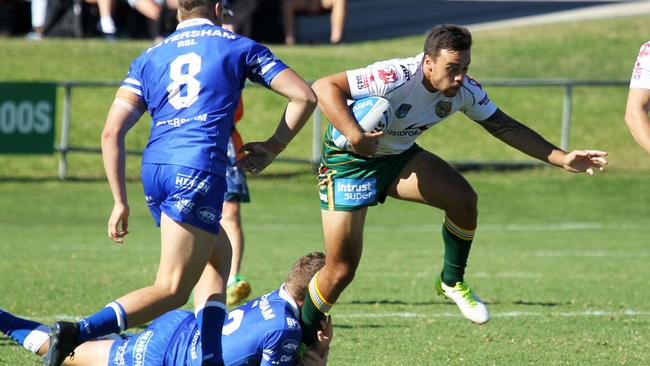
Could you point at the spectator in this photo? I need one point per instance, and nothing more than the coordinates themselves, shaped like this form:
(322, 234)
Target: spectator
(106, 23)
(313, 7)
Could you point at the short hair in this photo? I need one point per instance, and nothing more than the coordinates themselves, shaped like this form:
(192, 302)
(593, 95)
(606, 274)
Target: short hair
(301, 273)
(447, 37)
(196, 8)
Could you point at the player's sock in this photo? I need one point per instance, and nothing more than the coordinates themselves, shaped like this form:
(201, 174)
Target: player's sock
(210, 316)
(111, 319)
(458, 242)
(29, 334)
(314, 309)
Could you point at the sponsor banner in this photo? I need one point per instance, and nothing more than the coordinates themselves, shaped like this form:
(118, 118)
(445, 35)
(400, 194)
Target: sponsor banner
(27, 116)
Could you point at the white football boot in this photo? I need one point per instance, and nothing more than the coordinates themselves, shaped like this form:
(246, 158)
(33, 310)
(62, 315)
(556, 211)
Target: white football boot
(469, 304)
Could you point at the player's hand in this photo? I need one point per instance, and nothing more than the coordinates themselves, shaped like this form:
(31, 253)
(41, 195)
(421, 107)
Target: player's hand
(316, 355)
(587, 161)
(118, 223)
(366, 144)
(258, 156)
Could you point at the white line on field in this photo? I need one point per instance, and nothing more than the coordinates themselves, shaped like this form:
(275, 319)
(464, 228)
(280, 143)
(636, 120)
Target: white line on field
(454, 314)
(435, 227)
(507, 314)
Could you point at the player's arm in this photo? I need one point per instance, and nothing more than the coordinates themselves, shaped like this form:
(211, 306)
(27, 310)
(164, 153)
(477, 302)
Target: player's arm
(636, 116)
(317, 354)
(333, 93)
(524, 139)
(301, 104)
(123, 114)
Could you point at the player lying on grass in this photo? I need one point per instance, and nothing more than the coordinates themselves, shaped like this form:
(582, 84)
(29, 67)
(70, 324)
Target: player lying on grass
(423, 91)
(264, 331)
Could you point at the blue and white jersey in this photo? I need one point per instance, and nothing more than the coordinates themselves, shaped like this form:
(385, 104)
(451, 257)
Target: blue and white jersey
(191, 83)
(265, 331)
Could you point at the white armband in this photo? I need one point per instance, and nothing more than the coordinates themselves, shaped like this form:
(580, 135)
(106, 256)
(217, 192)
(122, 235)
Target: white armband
(133, 110)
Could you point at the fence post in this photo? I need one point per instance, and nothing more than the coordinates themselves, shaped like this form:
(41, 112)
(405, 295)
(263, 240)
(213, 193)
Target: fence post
(566, 115)
(65, 131)
(315, 140)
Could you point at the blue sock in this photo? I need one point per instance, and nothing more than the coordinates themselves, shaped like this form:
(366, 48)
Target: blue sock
(27, 333)
(210, 319)
(111, 319)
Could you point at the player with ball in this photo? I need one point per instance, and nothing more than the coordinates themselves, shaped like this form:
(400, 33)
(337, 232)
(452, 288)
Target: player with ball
(367, 165)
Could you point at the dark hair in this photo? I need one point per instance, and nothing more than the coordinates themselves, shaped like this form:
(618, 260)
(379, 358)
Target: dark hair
(196, 8)
(301, 273)
(447, 37)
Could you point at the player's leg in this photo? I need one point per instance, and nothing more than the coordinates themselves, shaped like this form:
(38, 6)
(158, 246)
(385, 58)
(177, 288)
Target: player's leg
(238, 287)
(428, 179)
(185, 250)
(34, 337)
(210, 299)
(29, 334)
(231, 224)
(343, 233)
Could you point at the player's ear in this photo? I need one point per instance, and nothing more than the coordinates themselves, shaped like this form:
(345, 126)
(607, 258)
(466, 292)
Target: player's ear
(218, 10)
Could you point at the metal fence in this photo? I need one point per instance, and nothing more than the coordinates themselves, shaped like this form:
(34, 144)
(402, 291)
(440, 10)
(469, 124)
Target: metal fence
(64, 147)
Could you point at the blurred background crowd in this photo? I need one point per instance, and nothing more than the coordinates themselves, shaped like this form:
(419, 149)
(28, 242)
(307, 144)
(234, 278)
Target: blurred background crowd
(271, 21)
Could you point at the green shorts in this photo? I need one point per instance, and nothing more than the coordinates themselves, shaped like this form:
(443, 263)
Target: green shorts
(348, 182)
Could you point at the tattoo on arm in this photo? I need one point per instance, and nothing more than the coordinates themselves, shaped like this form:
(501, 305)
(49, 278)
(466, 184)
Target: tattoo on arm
(500, 123)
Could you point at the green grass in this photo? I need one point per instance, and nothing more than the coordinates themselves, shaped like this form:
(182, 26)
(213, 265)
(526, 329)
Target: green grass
(598, 50)
(560, 258)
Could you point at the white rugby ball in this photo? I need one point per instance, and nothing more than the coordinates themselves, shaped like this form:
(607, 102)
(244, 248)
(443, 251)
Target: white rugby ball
(371, 113)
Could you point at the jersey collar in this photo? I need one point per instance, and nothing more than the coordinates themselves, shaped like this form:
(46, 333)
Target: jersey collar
(192, 22)
(287, 297)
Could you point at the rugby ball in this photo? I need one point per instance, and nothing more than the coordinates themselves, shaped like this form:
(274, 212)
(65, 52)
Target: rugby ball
(371, 113)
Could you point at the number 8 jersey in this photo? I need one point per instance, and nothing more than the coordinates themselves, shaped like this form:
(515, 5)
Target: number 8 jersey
(191, 83)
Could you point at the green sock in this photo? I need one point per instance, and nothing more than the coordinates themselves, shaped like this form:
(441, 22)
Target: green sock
(312, 314)
(458, 242)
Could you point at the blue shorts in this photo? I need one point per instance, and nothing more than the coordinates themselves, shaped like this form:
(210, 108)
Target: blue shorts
(237, 189)
(157, 344)
(186, 195)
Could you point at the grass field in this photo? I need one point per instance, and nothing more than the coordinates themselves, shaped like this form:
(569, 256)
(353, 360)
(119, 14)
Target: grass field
(561, 259)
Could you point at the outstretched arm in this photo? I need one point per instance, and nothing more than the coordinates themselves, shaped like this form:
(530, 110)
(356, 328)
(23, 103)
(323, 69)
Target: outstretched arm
(302, 102)
(636, 116)
(124, 113)
(524, 139)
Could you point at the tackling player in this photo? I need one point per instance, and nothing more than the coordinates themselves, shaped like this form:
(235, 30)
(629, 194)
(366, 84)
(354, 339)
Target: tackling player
(264, 331)
(190, 83)
(638, 99)
(423, 91)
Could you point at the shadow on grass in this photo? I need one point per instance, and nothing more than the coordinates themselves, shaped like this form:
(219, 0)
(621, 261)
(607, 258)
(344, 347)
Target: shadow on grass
(387, 302)
(357, 326)
(7, 342)
(540, 303)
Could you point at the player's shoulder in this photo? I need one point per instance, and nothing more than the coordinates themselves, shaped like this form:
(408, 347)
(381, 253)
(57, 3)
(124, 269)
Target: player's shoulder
(644, 51)
(472, 87)
(397, 69)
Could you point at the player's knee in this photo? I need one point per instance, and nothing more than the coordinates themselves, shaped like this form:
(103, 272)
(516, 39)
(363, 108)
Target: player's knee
(465, 209)
(175, 294)
(344, 274)
(470, 204)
